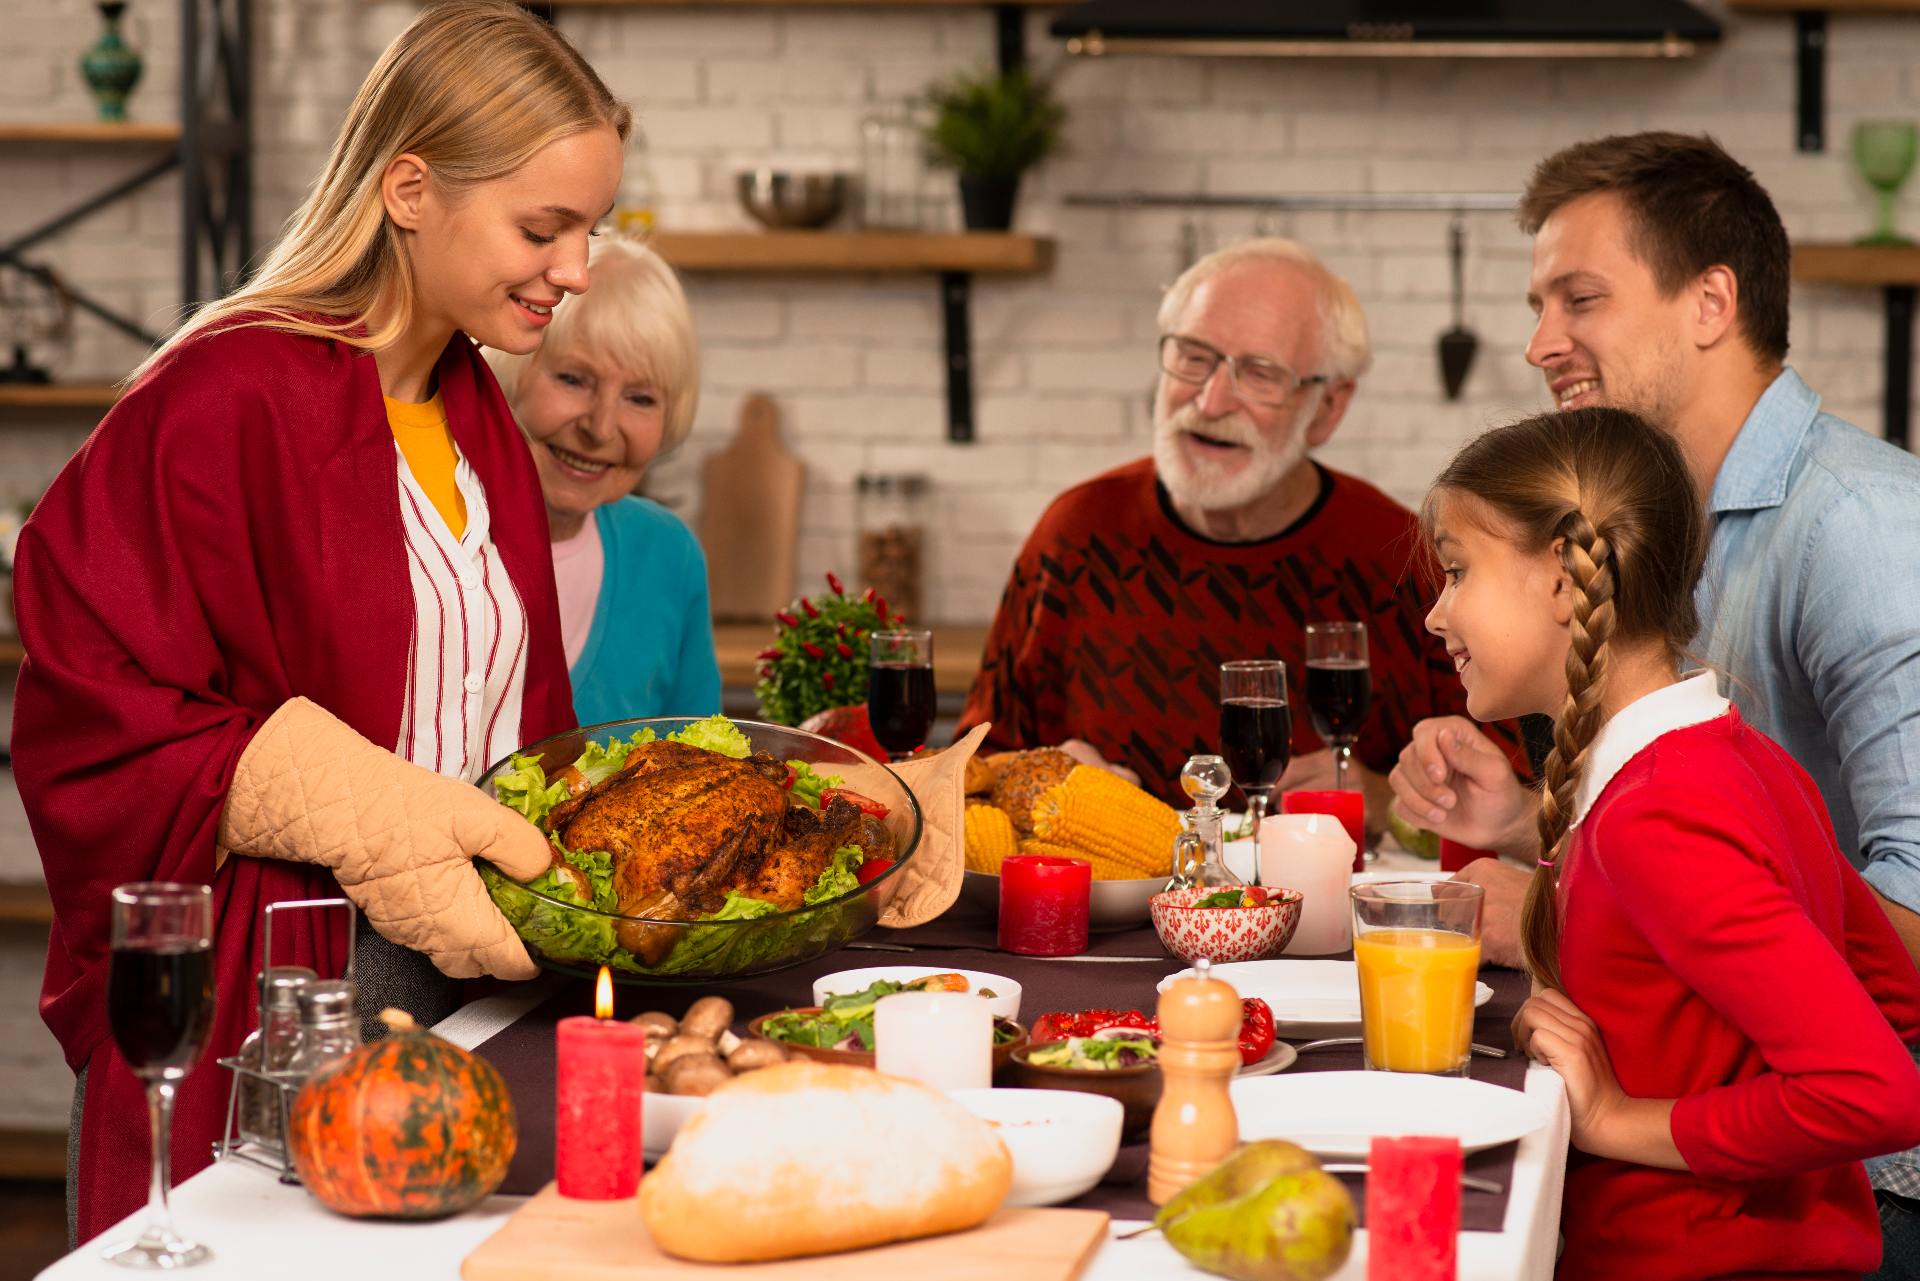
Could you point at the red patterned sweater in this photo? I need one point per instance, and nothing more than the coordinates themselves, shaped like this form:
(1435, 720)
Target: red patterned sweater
(1117, 617)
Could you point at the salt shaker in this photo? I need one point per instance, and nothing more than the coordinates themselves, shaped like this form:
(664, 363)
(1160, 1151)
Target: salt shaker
(269, 1048)
(1194, 1125)
(329, 1026)
(1199, 852)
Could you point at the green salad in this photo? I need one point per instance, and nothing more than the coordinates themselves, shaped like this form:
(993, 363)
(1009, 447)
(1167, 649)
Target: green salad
(587, 940)
(845, 1022)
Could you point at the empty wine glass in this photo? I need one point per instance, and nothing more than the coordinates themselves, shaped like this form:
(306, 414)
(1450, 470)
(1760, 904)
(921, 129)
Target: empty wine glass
(1883, 151)
(160, 1009)
(1256, 732)
(1339, 688)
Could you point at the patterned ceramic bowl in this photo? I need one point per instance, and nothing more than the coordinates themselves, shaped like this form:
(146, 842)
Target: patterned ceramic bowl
(1223, 934)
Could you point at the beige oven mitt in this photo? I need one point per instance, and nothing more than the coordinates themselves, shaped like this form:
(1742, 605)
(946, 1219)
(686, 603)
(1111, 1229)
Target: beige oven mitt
(930, 882)
(400, 839)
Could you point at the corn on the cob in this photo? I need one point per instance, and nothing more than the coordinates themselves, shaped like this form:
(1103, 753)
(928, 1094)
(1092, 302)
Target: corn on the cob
(1098, 812)
(990, 838)
(1104, 868)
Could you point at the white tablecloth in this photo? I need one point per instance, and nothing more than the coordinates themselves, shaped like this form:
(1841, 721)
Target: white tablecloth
(259, 1228)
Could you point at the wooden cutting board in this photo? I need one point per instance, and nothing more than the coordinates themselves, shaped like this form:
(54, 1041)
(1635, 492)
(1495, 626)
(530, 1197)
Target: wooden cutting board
(555, 1239)
(750, 517)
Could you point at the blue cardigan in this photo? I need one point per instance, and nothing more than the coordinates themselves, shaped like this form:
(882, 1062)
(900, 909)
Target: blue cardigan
(650, 651)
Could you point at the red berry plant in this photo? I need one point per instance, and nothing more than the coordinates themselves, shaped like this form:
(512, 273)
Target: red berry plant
(818, 659)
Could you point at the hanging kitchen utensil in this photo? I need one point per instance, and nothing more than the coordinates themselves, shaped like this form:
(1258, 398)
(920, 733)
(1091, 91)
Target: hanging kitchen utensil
(1458, 344)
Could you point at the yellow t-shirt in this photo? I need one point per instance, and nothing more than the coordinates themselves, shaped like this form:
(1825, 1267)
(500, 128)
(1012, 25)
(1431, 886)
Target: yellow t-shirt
(427, 445)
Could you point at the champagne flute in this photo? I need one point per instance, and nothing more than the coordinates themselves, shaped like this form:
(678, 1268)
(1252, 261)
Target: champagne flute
(1256, 733)
(1339, 688)
(900, 700)
(160, 1009)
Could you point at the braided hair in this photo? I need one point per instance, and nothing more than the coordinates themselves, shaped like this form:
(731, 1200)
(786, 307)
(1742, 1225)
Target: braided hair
(1612, 493)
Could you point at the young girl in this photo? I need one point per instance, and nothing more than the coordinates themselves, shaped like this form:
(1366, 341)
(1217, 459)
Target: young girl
(1720, 992)
(294, 594)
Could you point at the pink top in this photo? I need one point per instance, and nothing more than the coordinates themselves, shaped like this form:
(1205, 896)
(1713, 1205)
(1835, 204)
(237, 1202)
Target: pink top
(578, 564)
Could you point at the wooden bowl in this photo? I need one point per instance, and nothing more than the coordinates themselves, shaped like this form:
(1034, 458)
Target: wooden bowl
(1135, 1089)
(1002, 1052)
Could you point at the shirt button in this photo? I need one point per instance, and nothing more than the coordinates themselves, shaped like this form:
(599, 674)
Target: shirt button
(469, 581)
(472, 684)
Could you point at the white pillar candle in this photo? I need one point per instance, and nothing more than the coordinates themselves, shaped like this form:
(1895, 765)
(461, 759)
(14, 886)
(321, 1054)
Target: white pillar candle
(1311, 853)
(942, 1039)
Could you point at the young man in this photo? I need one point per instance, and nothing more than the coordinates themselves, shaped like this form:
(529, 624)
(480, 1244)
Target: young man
(1660, 277)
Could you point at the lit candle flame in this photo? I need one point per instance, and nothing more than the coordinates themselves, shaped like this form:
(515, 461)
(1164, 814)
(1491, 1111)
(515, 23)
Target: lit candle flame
(603, 995)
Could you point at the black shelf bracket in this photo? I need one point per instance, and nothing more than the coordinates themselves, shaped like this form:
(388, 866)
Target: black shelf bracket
(1898, 394)
(216, 147)
(1010, 36)
(955, 288)
(1810, 59)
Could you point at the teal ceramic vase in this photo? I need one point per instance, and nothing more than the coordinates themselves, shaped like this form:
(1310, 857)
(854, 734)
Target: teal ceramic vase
(111, 68)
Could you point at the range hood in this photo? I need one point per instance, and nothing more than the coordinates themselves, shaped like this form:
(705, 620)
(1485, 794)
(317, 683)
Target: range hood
(1387, 28)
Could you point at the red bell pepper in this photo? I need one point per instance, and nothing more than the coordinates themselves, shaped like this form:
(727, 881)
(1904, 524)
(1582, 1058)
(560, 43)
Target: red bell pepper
(1256, 1030)
(1058, 1027)
(872, 868)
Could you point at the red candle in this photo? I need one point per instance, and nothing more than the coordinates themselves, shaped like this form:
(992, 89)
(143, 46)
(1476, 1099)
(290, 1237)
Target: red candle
(1043, 904)
(1413, 1209)
(599, 1084)
(1350, 807)
(1454, 855)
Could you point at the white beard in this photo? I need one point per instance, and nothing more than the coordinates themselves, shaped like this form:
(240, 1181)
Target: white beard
(1220, 485)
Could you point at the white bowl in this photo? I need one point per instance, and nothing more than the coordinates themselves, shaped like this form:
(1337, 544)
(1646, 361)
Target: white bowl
(1005, 1001)
(1112, 905)
(1062, 1142)
(661, 1116)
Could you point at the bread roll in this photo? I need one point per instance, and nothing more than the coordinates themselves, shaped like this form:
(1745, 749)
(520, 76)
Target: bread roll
(809, 1158)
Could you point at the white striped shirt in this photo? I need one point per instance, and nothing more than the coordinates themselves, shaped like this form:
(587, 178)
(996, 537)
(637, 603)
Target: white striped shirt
(467, 661)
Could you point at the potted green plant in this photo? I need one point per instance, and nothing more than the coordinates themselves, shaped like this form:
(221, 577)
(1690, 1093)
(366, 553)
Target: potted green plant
(991, 129)
(814, 675)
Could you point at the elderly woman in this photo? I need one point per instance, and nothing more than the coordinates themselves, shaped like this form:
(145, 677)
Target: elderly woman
(612, 388)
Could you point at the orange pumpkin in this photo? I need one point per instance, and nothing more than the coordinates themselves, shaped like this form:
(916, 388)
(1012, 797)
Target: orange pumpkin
(410, 1127)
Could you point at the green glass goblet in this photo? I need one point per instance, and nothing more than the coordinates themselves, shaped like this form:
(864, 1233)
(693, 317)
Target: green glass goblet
(1883, 151)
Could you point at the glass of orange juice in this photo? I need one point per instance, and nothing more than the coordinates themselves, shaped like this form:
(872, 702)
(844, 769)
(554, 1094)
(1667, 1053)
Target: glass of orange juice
(1417, 946)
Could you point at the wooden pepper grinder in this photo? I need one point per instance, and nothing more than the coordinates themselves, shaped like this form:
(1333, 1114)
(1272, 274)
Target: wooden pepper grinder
(1194, 1126)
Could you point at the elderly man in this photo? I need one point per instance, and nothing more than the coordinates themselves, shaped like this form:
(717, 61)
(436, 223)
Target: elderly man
(1136, 585)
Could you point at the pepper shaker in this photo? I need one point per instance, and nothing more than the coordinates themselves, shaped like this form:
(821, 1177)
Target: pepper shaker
(1194, 1125)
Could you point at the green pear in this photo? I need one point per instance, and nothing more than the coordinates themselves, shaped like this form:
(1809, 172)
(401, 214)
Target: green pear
(1266, 1213)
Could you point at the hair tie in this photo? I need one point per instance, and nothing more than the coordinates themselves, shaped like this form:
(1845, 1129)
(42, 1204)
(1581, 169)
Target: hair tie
(1544, 862)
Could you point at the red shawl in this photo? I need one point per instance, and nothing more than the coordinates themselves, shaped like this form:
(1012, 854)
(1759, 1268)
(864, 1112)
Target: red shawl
(228, 538)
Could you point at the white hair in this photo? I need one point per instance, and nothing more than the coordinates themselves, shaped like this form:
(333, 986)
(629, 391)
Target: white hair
(1343, 324)
(633, 314)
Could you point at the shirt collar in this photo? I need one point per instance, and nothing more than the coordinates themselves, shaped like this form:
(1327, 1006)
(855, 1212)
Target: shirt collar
(1757, 468)
(1692, 701)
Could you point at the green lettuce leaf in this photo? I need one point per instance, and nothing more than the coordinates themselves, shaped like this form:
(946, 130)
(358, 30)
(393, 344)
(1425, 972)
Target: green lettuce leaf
(524, 788)
(716, 734)
(838, 876)
(808, 783)
(697, 947)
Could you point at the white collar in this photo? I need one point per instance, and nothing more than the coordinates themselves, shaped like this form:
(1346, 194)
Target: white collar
(1693, 700)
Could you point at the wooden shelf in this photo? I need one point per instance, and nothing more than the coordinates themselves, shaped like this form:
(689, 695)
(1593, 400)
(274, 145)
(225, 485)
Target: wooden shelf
(58, 395)
(72, 131)
(1880, 265)
(33, 1154)
(1824, 6)
(957, 649)
(11, 653)
(982, 253)
(809, 4)
(25, 904)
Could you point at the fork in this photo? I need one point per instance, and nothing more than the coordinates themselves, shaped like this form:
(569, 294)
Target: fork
(1491, 1051)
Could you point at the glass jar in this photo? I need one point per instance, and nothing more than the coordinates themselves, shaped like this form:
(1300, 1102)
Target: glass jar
(269, 1048)
(891, 512)
(636, 203)
(891, 169)
(329, 1026)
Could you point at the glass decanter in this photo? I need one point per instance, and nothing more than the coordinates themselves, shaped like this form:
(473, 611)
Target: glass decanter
(1199, 852)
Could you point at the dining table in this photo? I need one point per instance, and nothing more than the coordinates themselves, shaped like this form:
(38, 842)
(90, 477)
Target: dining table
(257, 1225)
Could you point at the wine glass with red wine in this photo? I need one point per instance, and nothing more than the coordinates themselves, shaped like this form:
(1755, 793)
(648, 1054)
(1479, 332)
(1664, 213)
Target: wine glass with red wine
(900, 702)
(160, 1009)
(1339, 688)
(1256, 733)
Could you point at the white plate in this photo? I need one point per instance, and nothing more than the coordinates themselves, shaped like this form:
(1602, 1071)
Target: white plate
(661, 1116)
(1004, 1002)
(1338, 1114)
(1315, 994)
(1278, 1059)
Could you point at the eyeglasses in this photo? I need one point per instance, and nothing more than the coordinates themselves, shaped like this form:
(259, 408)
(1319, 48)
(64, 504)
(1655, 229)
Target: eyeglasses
(1256, 380)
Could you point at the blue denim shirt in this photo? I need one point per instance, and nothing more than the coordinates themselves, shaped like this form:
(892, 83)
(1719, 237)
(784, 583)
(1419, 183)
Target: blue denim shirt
(1811, 603)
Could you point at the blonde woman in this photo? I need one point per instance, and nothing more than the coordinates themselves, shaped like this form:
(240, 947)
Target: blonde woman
(294, 595)
(613, 387)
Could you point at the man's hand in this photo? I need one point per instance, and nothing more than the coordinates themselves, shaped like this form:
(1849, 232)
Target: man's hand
(1452, 780)
(1906, 923)
(1087, 754)
(1505, 894)
(1314, 772)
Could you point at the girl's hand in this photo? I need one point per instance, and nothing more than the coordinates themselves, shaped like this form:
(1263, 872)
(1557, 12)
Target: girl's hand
(1550, 1029)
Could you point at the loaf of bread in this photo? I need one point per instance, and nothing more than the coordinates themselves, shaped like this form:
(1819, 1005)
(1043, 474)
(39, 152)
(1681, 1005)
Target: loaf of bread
(808, 1158)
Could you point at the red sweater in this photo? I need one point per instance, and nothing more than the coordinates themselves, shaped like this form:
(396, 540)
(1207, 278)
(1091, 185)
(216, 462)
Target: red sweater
(1734, 961)
(1116, 619)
